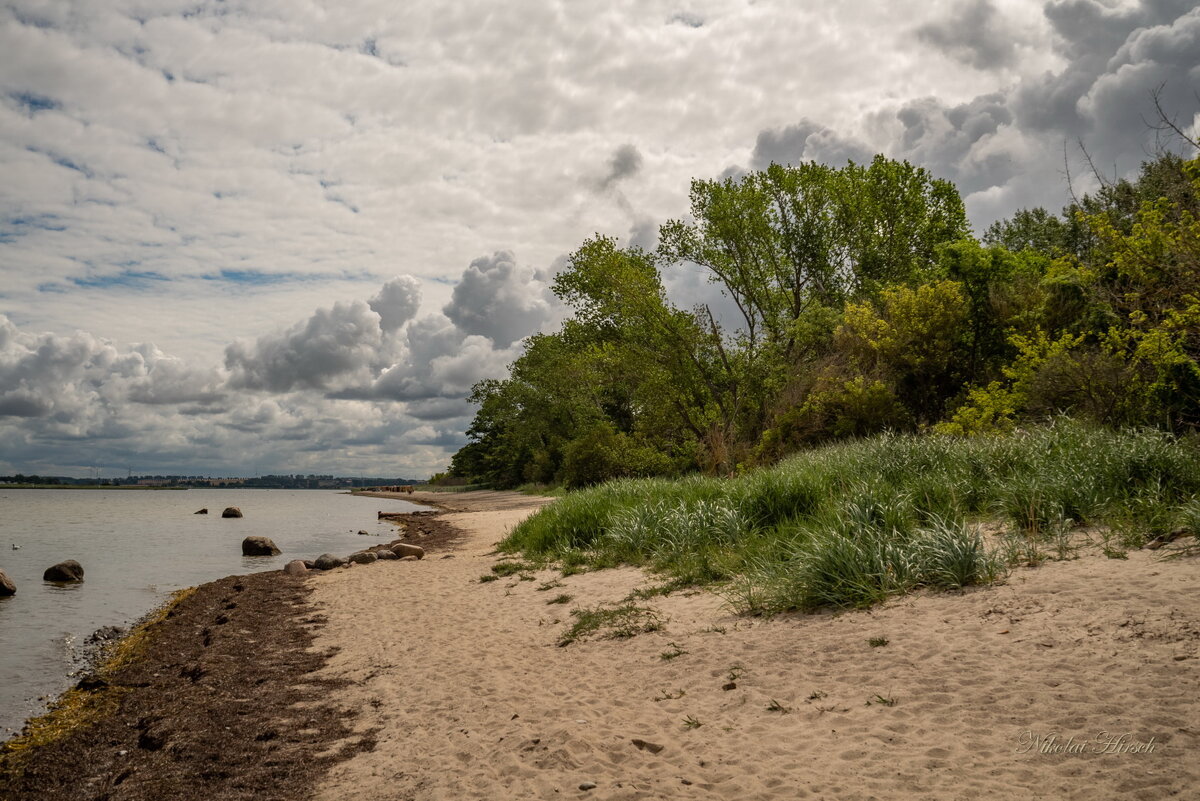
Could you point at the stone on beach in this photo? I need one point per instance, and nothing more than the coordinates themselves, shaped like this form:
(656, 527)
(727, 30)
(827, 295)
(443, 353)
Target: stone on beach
(6, 585)
(296, 567)
(231, 511)
(328, 561)
(403, 549)
(69, 570)
(259, 546)
(363, 557)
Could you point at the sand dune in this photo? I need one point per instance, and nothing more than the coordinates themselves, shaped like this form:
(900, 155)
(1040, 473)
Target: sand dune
(1010, 691)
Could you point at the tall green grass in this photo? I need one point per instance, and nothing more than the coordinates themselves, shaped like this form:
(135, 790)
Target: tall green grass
(851, 524)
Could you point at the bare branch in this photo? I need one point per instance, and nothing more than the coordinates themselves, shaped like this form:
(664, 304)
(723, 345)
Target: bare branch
(1166, 123)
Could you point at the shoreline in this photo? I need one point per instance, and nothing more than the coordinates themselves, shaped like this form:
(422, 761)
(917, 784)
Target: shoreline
(435, 685)
(60, 744)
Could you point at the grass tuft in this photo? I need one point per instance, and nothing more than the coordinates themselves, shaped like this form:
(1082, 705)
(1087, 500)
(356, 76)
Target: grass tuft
(851, 524)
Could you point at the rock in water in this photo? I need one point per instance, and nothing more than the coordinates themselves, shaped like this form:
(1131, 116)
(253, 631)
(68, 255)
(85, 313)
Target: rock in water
(403, 549)
(363, 533)
(259, 546)
(105, 634)
(231, 511)
(328, 561)
(70, 570)
(363, 557)
(296, 567)
(203, 511)
(6, 585)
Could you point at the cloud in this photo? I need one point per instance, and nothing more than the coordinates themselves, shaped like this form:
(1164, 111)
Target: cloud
(974, 34)
(397, 303)
(807, 141)
(626, 162)
(336, 343)
(498, 299)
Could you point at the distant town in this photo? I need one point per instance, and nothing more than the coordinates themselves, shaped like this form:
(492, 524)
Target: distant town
(296, 481)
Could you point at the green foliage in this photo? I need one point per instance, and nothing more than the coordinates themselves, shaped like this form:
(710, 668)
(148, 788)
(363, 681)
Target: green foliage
(864, 306)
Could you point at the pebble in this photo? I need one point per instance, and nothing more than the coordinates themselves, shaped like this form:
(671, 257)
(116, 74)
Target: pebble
(587, 786)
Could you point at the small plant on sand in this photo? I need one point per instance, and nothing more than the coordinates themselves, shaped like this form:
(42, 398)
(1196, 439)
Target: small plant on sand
(510, 568)
(486, 577)
(645, 593)
(881, 700)
(877, 642)
(817, 695)
(735, 673)
(560, 599)
(674, 653)
(716, 630)
(553, 584)
(620, 622)
(1115, 553)
(666, 696)
(691, 723)
(775, 706)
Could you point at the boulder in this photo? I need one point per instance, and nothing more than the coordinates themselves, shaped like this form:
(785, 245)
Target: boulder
(231, 511)
(363, 557)
(259, 546)
(6, 585)
(310, 564)
(70, 570)
(296, 567)
(328, 561)
(363, 533)
(385, 553)
(403, 549)
(203, 511)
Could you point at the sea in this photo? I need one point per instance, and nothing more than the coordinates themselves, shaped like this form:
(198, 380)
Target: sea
(137, 547)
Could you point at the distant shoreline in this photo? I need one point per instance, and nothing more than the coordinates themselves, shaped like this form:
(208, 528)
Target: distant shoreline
(86, 487)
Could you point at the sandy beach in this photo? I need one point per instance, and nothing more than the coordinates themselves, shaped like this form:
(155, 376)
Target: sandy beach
(1075, 679)
(416, 680)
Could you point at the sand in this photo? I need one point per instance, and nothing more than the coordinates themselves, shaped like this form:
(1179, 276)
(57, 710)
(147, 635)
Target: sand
(1075, 679)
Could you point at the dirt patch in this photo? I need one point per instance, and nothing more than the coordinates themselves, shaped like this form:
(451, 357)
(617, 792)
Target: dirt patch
(222, 704)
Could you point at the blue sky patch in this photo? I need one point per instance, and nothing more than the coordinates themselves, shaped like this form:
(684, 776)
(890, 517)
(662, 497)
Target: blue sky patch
(32, 102)
(128, 279)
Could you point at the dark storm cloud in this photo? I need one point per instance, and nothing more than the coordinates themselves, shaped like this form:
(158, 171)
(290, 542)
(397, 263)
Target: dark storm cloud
(974, 34)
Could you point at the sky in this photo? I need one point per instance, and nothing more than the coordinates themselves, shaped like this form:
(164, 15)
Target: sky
(242, 237)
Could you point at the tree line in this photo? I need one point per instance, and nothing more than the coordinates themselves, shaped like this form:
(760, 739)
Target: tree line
(863, 304)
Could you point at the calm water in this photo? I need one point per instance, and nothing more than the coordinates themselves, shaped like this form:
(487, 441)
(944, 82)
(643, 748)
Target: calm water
(136, 547)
